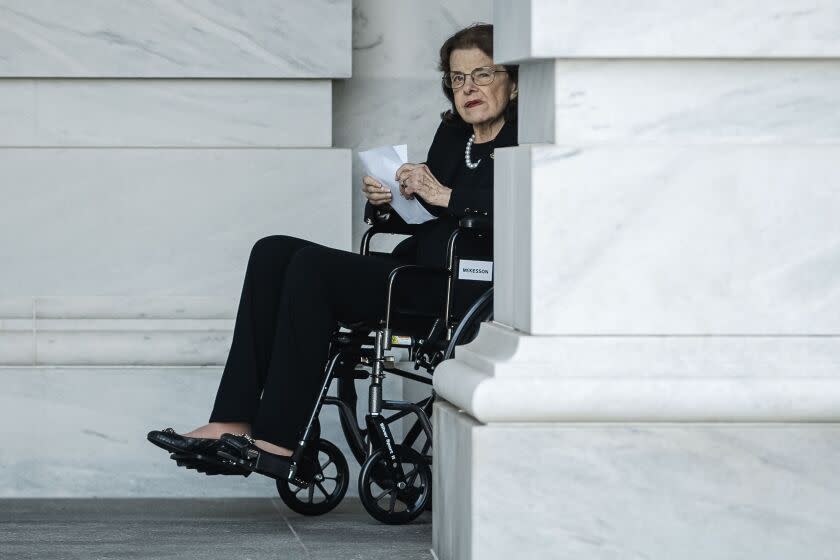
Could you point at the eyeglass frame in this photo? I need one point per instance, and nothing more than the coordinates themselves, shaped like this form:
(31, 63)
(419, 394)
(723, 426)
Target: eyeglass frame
(472, 77)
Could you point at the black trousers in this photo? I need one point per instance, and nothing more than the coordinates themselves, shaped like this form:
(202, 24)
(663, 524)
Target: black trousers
(295, 292)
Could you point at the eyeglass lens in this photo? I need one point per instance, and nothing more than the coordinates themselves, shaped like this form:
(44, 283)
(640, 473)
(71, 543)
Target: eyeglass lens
(480, 76)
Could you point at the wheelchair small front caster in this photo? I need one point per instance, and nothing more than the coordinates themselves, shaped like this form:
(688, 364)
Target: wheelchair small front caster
(326, 490)
(395, 500)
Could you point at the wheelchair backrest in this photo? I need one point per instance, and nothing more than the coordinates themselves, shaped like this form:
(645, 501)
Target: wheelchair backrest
(472, 273)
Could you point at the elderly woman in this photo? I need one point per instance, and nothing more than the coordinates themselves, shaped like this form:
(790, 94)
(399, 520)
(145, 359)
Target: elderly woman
(296, 291)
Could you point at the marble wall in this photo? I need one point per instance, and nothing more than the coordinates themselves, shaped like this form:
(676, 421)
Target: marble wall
(144, 148)
(153, 190)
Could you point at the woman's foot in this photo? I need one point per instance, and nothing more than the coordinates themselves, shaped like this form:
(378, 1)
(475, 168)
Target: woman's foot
(203, 440)
(214, 430)
(271, 448)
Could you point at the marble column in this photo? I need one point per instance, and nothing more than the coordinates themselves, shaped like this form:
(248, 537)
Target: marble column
(662, 376)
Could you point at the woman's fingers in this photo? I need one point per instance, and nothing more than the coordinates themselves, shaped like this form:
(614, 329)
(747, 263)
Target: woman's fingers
(376, 195)
(368, 181)
(405, 168)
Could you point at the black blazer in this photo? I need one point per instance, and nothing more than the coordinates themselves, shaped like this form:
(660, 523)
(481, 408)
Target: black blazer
(472, 189)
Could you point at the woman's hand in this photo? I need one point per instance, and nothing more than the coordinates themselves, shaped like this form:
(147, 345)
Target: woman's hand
(376, 193)
(415, 178)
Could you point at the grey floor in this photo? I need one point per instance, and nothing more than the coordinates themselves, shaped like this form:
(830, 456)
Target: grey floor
(229, 528)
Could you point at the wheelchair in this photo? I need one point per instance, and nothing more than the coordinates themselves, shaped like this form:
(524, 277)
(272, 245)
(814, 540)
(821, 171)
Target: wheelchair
(395, 481)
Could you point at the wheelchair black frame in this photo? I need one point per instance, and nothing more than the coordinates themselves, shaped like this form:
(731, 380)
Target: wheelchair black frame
(378, 431)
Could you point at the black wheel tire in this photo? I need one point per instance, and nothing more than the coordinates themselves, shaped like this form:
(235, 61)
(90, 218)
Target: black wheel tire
(322, 495)
(374, 489)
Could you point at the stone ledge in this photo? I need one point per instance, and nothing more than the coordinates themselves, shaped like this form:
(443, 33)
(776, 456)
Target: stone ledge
(195, 39)
(679, 102)
(166, 113)
(116, 331)
(507, 376)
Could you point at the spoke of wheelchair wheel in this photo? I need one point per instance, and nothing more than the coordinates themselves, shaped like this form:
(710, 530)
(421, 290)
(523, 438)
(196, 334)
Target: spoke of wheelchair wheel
(299, 488)
(413, 474)
(410, 473)
(322, 489)
(382, 495)
(311, 493)
(393, 503)
(327, 464)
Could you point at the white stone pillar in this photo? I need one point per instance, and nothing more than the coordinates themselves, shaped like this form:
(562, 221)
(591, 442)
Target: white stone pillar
(662, 379)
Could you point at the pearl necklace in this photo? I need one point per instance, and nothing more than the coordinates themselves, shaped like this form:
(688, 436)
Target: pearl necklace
(467, 158)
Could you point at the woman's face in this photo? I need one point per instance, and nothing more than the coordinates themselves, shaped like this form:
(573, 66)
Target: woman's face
(480, 105)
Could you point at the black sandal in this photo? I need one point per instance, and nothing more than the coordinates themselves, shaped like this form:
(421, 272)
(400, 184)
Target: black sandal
(172, 441)
(194, 453)
(239, 451)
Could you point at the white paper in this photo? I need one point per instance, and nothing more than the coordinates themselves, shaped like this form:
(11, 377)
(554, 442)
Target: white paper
(382, 164)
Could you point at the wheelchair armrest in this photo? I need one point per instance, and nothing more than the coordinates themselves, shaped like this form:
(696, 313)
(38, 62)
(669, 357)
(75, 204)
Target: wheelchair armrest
(476, 220)
(391, 227)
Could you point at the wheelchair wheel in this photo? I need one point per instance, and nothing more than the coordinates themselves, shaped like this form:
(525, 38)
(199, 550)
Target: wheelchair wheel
(467, 329)
(390, 500)
(328, 488)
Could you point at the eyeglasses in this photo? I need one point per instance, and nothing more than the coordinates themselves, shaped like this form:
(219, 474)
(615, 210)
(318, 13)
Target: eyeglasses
(480, 76)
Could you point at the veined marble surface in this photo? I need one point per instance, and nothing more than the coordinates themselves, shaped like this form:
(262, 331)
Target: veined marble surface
(680, 101)
(166, 113)
(192, 38)
(635, 491)
(81, 432)
(711, 239)
(666, 29)
(168, 222)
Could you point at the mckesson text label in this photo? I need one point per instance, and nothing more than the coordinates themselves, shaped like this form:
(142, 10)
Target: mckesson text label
(476, 270)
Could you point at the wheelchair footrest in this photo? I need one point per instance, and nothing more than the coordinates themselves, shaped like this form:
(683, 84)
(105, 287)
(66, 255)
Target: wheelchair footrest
(206, 465)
